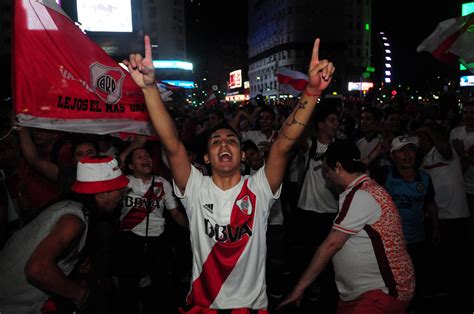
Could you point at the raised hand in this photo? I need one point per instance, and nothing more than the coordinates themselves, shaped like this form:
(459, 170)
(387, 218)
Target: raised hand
(319, 73)
(141, 69)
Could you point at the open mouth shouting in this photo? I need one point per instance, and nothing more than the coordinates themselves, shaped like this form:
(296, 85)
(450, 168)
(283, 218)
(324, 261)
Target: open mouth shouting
(225, 156)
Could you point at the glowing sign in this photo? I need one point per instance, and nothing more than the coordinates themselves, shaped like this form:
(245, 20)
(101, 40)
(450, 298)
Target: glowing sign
(467, 8)
(238, 97)
(172, 64)
(363, 86)
(105, 15)
(184, 84)
(235, 79)
(246, 84)
(467, 80)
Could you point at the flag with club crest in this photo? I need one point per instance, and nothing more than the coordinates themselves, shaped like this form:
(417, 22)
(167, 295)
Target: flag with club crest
(62, 80)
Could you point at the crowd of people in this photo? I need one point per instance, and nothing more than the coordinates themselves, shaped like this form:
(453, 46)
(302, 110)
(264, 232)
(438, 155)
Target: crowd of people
(309, 205)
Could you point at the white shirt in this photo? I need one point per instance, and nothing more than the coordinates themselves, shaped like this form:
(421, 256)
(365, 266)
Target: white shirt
(367, 147)
(314, 194)
(257, 137)
(447, 178)
(227, 230)
(134, 211)
(467, 138)
(376, 249)
(17, 295)
(276, 213)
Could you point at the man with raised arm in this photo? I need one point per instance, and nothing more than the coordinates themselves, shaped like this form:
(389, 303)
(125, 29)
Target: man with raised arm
(227, 212)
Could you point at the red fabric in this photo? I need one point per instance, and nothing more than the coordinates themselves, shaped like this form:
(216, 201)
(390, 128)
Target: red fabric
(436, 165)
(291, 81)
(58, 72)
(373, 302)
(49, 307)
(100, 186)
(211, 99)
(33, 189)
(224, 255)
(442, 54)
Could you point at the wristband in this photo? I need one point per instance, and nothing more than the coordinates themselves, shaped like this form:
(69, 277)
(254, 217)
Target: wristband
(309, 94)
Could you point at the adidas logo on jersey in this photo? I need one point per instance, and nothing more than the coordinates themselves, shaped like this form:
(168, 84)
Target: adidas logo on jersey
(209, 207)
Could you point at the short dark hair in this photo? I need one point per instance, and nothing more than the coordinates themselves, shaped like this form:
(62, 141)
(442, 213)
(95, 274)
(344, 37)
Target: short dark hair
(222, 125)
(347, 154)
(128, 159)
(323, 110)
(76, 141)
(374, 111)
(269, 110)
(248, 144)
(389, 111)
(217, 112)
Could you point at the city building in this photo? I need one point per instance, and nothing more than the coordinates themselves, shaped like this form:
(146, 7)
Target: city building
(282, 32)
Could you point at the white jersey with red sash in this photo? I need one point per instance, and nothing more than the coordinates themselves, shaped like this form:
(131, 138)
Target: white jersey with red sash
(228, 240)
(142, 199)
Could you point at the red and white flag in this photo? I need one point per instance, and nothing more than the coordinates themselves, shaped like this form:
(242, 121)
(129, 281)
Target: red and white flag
(211, 99)
(166, 90)
(452, 41)
(291, 82)
(64, 81)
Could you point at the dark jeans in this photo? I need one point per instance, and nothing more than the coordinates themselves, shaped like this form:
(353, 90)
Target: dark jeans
(311, 230)
(132, 262)
(276, 258)
(456, 261)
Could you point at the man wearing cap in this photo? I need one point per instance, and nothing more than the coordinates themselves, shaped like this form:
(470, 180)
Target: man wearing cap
(227, 212)
(37, 259)
(413, 192)
(374, 273)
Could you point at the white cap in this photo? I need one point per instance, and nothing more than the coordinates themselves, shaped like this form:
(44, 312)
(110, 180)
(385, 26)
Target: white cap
(403, 140)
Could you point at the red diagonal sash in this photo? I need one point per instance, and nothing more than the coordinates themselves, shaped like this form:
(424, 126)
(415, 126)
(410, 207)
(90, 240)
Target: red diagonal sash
(137, 214)
(225, 254)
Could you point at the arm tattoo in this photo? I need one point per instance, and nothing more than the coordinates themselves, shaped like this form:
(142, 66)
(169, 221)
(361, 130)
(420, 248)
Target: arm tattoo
(288, 138)
(301, 105)
(294, 121)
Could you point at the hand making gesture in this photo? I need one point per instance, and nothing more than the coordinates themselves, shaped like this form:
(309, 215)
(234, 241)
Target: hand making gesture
(141, 69)
(319, 74)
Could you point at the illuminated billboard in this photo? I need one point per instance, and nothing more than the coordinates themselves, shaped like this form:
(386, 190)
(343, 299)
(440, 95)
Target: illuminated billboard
(184, 84)
(238, 97)
(466, 80)
(235, 79)
(172, 64)
(361, 86)
(105, 15)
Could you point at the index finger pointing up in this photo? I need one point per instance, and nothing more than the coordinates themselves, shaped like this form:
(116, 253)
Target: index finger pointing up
(147, 48)
(315, 54)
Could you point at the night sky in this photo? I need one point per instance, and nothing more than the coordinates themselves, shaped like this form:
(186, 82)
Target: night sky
(407, 24)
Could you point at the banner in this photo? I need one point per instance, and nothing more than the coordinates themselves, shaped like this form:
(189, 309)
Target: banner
(62, 80)
(452, 41)
(211, 99)
(291, 82)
